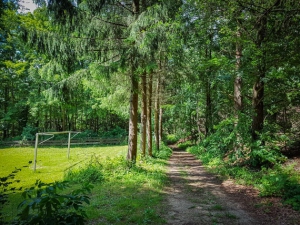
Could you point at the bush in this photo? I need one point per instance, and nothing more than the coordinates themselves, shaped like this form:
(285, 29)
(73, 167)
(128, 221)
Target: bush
(185, 145)
(87, 134)
(28, 133)
(116, 132)
(171, 139)
(164, 152)
(90, 174)
(43, 205)
(263, 155)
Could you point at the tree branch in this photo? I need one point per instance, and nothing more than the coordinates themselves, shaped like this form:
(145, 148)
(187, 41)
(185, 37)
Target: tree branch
(113, 23)
(105, 50)
(124, 6)
(90, 38)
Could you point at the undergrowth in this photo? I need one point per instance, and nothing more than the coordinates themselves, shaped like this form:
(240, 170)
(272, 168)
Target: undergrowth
(258, 163)
(273, 181)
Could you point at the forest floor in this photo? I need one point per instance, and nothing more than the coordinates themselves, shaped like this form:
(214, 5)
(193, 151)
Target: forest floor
(195, 196)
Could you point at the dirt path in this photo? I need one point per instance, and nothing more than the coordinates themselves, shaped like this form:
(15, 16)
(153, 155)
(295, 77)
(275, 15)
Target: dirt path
(197, 197)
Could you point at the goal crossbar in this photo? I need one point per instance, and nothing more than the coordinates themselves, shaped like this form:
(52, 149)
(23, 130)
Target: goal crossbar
(52, 135)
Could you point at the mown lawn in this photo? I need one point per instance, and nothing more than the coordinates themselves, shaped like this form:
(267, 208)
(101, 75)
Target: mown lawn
(52, 162)
(122, 193)
(52, 165)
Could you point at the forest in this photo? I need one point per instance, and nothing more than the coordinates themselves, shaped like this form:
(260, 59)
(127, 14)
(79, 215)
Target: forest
(215, 78)
(219, 72)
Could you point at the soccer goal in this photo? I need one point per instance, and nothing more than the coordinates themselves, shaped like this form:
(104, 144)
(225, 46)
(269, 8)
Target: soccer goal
(71, 135)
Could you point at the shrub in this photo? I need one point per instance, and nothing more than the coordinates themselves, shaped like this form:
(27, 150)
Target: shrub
(87, 134)
(171, 139)
(262, 155)
(44, 205)
(116, 132)
(90, 174)
(164, 153)
(28, 133)
(185, 145)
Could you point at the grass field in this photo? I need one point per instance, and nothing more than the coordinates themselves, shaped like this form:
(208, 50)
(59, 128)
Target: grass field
(125, 194)
(52, 162)
(52, 165)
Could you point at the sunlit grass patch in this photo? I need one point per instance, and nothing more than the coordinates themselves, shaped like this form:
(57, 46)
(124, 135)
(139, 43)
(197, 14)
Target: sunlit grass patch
(52, 165)
(52, 162)
(129, 195)
(123, 193)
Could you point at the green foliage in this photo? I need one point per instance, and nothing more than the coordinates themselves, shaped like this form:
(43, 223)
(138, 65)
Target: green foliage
(264, 155)
(44, 205)
(87, 134)
(273, 182)
(116, 132)
(292, 195)
(171, 139)
(270, 181)
(28, 133)
(164, 152)
(185, 145)
(90, 173)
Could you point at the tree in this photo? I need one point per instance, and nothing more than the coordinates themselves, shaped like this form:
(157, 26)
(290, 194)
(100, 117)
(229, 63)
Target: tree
(107, 31)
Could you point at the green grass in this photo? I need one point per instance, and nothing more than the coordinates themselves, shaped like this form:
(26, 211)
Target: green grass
(128, 195)
(52, 162)
(123, 193)
(52, 165)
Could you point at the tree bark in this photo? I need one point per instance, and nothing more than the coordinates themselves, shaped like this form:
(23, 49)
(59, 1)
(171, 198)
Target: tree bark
(133, 128)
(258, 87)
(156, 116)
(160, 125)
(208, 111)
(149, 115)
(6, 101)
(258, 107)
(238, 101)
(238, 105)
(144, 114)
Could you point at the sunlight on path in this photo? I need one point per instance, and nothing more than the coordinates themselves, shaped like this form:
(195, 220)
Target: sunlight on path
(196, 197)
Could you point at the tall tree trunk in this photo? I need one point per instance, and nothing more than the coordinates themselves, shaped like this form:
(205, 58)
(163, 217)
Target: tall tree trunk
(258, 106)
(149, 115)
(144, 114)
(259, 87)
(199, 122)
(156, 113)
(133, 128)
(160, 125)
(238, 104)
(5, 103)
(238, 79)
(208, 111)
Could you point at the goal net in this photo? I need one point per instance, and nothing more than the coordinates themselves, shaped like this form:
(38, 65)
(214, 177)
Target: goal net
(71, 134)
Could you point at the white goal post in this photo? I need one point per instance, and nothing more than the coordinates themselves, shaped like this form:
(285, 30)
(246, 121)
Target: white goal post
(52, 135)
